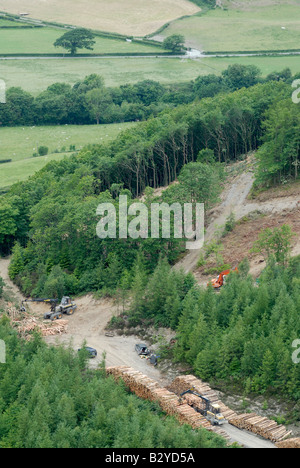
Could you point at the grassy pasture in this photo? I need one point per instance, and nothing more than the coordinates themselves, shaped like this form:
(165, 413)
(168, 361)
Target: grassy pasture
(36, 75)
(242, 28)
(19, 144)
(133, 17)
(41, 40)
(10, 24)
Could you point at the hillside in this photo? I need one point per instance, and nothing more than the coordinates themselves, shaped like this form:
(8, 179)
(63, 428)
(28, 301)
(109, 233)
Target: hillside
(94, 315)
(242, 26)
(113, 161)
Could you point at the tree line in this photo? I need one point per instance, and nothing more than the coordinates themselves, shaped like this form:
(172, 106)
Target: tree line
(52, 217)
(89, 101)
(279, 155)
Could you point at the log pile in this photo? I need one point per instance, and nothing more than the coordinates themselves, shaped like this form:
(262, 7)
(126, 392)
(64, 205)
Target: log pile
(290, 443)
(29, 323)
(148, 389)
(183, 408)
(185, 382)
(261, 426)
(252, 422)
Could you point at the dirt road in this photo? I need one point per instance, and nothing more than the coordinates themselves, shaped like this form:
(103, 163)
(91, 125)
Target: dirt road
(89, 322)
(11, 289)
(233, 201)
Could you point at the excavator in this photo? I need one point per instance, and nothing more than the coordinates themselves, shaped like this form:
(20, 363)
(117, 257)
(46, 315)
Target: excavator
(211, 411)
(217, 283)
(56, 312)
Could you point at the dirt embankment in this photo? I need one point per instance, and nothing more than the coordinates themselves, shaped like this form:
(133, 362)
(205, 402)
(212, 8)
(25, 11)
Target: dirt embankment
(270, 209)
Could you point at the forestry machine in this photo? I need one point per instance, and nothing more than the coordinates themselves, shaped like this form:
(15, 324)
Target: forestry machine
(209, 410)
(217, 283)
(56, 312)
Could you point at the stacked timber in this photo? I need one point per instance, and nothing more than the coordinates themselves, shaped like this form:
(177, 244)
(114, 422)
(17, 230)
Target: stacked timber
(185, 382)
(28, 324)
(290, 443)
(185, 408)
(261, 426)
(148, 389)
(252, 422)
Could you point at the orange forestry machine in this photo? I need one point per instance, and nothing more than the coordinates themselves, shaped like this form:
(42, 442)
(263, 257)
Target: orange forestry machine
(217, 283)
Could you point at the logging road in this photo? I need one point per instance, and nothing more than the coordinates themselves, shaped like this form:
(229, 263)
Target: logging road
(92, 316)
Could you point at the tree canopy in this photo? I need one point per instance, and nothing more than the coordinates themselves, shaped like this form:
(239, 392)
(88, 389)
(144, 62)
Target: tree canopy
(174, 43)
(79, 38)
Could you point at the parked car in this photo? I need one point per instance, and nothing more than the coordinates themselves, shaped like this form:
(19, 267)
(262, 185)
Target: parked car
(92, 352)
(142, 349)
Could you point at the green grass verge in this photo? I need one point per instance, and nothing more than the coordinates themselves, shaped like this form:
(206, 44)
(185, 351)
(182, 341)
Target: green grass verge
(19, 144)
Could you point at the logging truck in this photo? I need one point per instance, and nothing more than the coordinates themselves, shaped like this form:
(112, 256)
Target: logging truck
(211, 411)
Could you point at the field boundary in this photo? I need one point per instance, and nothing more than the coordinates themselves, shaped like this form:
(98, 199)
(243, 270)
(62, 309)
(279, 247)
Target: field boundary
(30, 22)
(108, 54)
(252, 52)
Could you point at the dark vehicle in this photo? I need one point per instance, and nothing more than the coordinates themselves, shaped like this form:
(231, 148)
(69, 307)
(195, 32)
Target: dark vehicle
(142, 350)
(91, 352)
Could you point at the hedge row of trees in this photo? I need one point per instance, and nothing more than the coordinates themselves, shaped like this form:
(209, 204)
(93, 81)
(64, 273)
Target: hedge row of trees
(50, 399)
(90, 101)
(53, 216)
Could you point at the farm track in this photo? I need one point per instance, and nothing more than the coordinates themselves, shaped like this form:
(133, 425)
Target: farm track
(196, 56)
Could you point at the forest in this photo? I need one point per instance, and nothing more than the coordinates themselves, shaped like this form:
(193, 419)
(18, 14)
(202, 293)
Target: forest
(241, 336)
(50, 220)
(89, 101)
(50, 399)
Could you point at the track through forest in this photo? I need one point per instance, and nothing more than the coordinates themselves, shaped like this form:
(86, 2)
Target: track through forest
(89, 322)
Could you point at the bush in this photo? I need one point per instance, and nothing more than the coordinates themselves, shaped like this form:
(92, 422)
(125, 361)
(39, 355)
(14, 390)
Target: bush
(43, 150)
(3, 161)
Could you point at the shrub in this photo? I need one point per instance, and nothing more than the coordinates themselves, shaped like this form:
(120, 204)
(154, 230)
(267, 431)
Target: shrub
(43, 150)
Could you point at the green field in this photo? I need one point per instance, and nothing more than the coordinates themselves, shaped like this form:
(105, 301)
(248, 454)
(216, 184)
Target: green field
(11, 24)
(243, 28)
(41, 40)
(133, 17)
(20, 143)
(36, 75)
